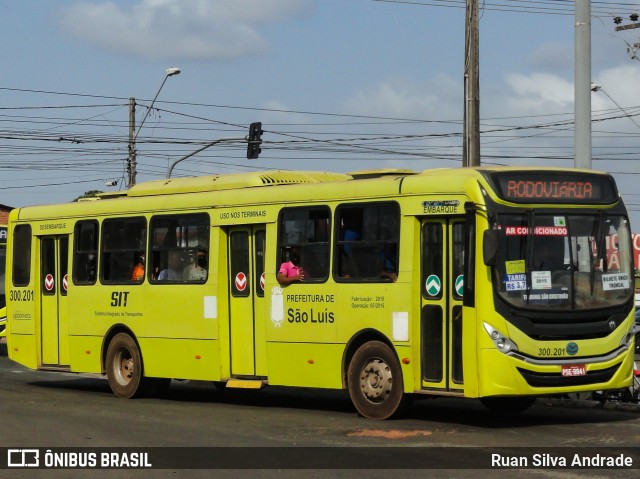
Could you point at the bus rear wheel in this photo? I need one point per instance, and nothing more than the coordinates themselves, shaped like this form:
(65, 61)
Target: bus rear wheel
(124, 368)
(375, 381)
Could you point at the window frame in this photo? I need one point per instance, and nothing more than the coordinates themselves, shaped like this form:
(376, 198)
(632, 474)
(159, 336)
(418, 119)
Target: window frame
(120, 252)
(306, 247)
(159, 255)
(374, 248)
(21, 254)
(79, 249)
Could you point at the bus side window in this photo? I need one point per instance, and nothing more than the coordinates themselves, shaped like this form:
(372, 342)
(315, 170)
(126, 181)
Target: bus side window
(85, 253)
(179, 248)
(366, 246)
(21, 255)
(307, 229)
(123, 241)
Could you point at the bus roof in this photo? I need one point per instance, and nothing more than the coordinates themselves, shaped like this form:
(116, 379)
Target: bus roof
(234, 181)
(311, 185)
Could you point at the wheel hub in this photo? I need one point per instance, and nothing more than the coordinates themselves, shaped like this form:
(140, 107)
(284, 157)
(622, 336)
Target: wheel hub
(125, 368)
(376, 380)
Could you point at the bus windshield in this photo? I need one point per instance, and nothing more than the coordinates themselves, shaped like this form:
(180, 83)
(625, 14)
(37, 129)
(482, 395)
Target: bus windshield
(565, 262)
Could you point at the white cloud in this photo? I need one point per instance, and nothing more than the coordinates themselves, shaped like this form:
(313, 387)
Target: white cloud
(439, 98)
(621, 83)
(218, 29)
(536, 94)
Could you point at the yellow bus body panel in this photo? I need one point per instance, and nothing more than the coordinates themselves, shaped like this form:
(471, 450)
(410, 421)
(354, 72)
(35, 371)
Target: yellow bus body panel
(181, 358)
(23, 349)
(84, 353)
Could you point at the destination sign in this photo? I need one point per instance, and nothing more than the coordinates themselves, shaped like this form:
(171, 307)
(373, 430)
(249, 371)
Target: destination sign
(554, 187)
(3, 235)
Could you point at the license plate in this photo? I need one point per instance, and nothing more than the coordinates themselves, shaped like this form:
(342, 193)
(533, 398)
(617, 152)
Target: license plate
(574, 370)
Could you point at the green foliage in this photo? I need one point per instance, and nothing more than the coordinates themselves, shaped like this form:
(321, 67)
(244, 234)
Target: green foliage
(89, 194)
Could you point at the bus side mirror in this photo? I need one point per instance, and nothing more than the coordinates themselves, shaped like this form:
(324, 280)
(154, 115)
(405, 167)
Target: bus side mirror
(490, 247)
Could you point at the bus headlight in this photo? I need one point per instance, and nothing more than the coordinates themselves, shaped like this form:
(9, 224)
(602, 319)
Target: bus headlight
(502, 342)
(633, 330)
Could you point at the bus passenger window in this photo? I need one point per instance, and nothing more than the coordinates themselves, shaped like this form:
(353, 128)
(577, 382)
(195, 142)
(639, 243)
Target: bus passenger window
(85, 253)
(21, 255)
(306, 231)
(179, 248)
(366, 248)
(123, 241)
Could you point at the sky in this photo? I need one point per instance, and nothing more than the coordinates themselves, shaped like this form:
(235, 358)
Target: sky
(339, 85)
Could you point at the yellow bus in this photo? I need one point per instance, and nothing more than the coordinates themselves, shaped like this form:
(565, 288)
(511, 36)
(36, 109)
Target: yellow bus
(503, 284)
(3, 259)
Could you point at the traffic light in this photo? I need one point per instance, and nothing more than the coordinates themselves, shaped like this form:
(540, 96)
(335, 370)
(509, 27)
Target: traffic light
(254, 140)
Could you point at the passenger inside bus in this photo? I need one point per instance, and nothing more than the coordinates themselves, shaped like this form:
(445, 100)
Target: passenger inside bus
(174, 270)
(138, 269)
(197, 270)
(388, 260)
(291, 271)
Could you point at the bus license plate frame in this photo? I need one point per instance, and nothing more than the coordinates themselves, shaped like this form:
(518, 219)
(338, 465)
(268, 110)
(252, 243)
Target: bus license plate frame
(573, 370)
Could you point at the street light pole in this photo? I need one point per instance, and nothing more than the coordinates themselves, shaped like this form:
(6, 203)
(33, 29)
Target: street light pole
(596, 88)
(215, 142)
(133, 134)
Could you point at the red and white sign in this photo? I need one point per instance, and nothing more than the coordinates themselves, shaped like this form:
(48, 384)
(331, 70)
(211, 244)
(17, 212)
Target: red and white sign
(613, 253)
(49, 282)
(241, 281)
(262, 281)
(538, 231)
(65, 282)
(635, 238)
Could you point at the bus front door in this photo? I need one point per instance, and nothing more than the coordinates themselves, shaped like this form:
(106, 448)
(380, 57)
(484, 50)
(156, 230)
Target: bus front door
(442, 282)
(54, 260)
(246, 248)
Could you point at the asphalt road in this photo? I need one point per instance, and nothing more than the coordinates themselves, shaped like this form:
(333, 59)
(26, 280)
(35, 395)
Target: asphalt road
(54, 410)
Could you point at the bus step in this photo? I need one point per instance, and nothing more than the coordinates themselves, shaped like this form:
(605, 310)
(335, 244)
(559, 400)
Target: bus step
(245, 383)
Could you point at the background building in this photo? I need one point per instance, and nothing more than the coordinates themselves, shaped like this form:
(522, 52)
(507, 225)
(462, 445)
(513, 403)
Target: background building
(4, 213)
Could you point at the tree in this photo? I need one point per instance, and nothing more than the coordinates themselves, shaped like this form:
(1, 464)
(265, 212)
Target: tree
(89, 194)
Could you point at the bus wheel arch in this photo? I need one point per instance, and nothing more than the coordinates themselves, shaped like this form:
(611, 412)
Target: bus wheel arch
(124, 365)
(374, 377)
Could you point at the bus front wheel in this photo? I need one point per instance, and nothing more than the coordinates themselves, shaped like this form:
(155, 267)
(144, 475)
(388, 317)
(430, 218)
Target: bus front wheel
(124, 367)
(375, 381)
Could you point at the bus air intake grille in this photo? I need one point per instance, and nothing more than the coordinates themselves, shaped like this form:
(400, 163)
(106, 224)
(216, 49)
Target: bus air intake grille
(551, 380)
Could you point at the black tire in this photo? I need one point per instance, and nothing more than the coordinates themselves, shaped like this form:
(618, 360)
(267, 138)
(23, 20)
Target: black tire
(124, 368)
(508, 405)
(375, 381)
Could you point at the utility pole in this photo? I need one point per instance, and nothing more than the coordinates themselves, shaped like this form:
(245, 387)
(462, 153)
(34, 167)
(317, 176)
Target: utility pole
(471, 128)
(131, 162)
(582, 87)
